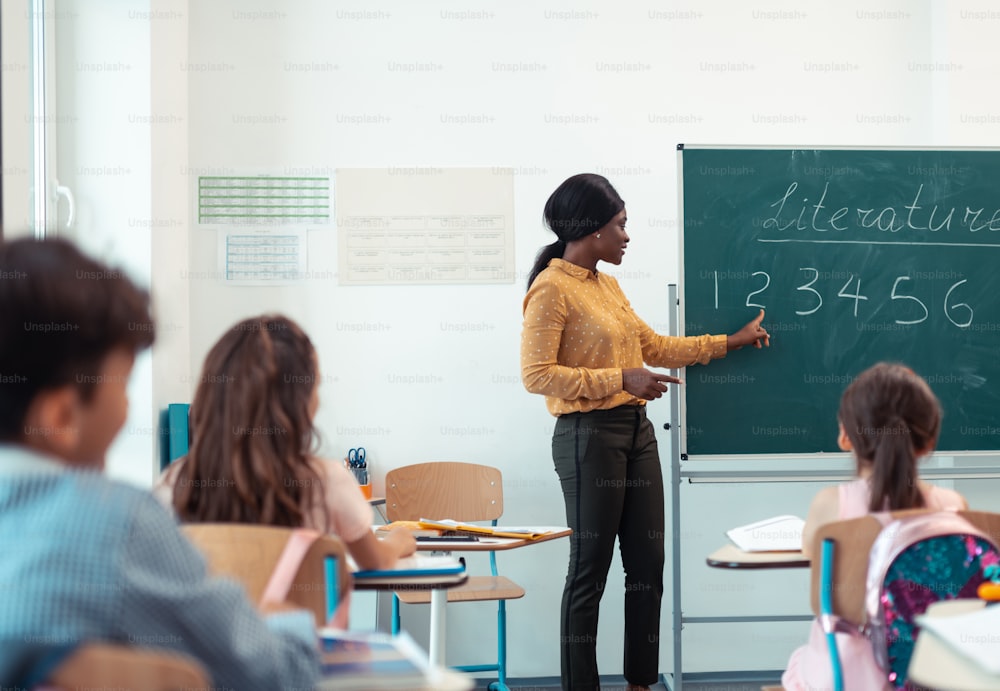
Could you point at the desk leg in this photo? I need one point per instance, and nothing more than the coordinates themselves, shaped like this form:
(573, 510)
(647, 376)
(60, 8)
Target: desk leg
(439, 598)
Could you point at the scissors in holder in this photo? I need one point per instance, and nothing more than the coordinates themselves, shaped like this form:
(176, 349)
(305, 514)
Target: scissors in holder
(358, 464)
(356, 458)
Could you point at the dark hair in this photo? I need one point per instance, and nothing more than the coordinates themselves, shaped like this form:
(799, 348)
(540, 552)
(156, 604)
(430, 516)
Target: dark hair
(61, 314)
(581, 205)
(252, 433)
(890, 414)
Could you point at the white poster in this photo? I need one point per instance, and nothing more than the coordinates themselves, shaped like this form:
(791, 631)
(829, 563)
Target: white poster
(401, 226)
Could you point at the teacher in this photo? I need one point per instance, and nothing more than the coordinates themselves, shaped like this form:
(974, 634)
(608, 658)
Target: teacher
(584, 348)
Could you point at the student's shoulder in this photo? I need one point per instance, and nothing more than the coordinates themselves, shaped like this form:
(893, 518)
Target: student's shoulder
(825, 505)
(327, 467)
(120, 500)
(944, 498)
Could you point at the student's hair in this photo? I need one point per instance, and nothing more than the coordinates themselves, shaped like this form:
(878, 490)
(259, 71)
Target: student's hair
(581, 205)
(252, 433)
(890, 414)
(61, 314)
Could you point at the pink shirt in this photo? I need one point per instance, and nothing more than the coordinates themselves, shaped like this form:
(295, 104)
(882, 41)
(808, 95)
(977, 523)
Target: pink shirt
(854, 495)
(349, 511)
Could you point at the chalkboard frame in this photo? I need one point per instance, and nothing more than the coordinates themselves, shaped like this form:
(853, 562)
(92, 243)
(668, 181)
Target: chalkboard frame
(701, 451)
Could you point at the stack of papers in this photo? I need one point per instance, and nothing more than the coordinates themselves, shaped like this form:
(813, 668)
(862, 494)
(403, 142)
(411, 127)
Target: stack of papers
(447, 526)
(973, 635)
(778, 534)
(371, 660)
(412, 526)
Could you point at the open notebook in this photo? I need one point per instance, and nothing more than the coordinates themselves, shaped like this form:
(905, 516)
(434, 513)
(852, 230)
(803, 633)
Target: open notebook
(777, 534)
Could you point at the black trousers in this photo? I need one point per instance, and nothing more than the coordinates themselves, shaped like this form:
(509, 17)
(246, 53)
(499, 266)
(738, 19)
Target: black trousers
(609, 468)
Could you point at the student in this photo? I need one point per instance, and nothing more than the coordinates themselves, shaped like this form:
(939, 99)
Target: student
(86, 558)
(889, 418)
(583, 348)
(252, 456)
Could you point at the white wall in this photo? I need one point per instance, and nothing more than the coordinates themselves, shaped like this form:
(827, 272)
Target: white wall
(555, 89)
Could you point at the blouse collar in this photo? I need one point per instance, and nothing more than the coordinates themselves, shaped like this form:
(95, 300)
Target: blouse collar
(576, 271)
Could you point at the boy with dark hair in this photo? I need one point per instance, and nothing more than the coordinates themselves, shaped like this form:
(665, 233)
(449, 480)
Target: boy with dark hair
(86, 558)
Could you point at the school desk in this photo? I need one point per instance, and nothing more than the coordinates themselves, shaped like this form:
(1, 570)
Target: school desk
(439, 596)
(732, 557)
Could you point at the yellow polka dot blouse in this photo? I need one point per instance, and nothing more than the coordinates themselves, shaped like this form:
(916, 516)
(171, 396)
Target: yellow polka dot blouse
(580, 332)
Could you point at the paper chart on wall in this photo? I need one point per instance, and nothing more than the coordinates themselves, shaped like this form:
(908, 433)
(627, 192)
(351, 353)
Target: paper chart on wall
(262, 256)
(265, 200)
(405, 226)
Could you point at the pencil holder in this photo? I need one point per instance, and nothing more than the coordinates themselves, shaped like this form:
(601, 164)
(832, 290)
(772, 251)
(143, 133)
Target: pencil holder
(364, 481)
(357, 463)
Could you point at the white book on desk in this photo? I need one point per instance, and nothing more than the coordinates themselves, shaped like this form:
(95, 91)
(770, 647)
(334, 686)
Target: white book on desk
(972, 635)
(777, 534)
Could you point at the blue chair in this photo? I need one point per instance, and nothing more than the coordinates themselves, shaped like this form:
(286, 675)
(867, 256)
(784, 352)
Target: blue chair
(468, 493)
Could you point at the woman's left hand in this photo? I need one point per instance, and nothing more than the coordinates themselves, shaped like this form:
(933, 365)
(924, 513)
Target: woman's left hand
(753, 332)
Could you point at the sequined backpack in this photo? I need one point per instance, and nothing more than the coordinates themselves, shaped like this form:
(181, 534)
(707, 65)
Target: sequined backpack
(916, 561)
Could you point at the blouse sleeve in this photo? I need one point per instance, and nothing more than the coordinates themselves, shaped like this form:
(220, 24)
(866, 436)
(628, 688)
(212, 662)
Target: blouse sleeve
(677, 351)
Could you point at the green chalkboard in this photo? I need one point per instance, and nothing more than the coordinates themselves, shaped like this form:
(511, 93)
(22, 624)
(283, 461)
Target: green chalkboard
(857, 255)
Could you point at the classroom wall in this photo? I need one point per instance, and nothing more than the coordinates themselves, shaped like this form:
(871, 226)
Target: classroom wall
(431, 372)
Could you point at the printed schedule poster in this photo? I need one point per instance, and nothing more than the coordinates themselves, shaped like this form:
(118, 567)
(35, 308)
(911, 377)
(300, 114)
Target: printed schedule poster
(407, 226)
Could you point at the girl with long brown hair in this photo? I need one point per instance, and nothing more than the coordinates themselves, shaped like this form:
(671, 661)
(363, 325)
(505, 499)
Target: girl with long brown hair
(889, 419)
(253, 450)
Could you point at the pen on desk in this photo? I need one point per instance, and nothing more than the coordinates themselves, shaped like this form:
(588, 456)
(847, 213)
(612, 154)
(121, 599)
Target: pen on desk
(445, 538)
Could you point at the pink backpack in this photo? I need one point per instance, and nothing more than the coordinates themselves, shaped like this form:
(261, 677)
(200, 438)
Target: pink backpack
(914, 562)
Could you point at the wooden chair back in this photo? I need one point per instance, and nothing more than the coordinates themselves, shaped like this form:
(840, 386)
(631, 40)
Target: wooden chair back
(248, 554)
(108, 666)
(444, 489)
(853, 541)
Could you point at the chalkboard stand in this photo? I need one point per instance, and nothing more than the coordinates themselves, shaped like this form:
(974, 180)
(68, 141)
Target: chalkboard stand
(674, 427)
(680, 474)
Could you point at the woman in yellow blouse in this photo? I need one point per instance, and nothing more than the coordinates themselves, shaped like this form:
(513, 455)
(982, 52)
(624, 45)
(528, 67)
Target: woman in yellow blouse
(584, 349)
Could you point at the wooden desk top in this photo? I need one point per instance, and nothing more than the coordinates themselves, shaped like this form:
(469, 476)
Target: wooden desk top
(732, 557)
(937, 665)
(490, 544)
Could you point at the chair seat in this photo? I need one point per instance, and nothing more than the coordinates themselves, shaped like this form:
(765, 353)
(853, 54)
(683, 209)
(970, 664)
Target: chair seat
(476, 588)
(105, 665)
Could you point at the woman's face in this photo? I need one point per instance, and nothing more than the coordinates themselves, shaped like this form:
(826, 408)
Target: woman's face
(610, 247)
